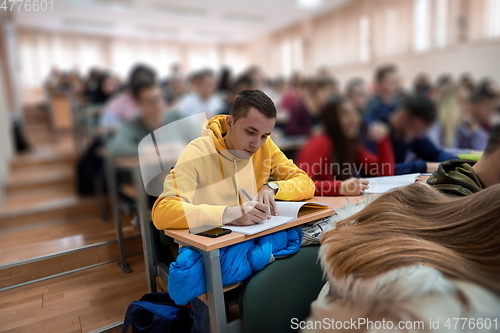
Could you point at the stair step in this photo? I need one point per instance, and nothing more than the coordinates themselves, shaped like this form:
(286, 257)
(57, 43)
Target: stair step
(32, 270)
(58, 236)
(77, 302)
(64, 180)
(20, 214)
(44, 158)
(37, 174)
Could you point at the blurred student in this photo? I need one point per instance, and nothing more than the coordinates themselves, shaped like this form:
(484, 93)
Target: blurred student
(334, 159)
(422, 85)
(356, 94)
(466, 81)
(386, 99)
(152, 115)
(174, 90)
(225, 80)
(106, 87)
(202, 98)
(244, 82)
(122, 107)
(290, 95)
(304, 115)
(473, 132)
(450, 103)
(408, 126)
(460, 177)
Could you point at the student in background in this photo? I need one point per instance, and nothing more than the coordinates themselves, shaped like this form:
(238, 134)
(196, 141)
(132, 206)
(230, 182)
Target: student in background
(460, 178)
(235, 151)
(422, 85)
(472, 133)
(408, 127)
(304, 115)
(451, 105)
(242, 83)
(152, 115)
(174, 90)
(290, 95)
(356, 94)
(122, 107)
(335, 158)
(107, 85)
(386, 99)
(202, 98)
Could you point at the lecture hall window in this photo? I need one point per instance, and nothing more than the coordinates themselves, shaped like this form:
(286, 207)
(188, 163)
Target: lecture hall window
(441, 23)
(492, 18)
(364, 39)
(421, 20)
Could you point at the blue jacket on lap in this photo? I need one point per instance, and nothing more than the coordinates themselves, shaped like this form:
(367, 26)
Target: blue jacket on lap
(186, 279)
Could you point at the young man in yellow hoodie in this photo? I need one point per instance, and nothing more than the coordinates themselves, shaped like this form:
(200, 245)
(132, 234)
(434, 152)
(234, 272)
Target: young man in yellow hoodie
(235, 152)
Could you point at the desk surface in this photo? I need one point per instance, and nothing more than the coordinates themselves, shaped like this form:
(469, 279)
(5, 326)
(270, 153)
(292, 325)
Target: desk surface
(209, 244)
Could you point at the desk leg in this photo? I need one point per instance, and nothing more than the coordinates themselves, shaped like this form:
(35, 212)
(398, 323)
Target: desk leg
(116, 214)
(146, 232)
(216, 306)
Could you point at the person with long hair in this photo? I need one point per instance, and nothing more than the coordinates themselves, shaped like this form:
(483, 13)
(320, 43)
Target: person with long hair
(336, 158)
(415, 255)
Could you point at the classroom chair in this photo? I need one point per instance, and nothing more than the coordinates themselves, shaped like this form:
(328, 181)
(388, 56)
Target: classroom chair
(281, 291)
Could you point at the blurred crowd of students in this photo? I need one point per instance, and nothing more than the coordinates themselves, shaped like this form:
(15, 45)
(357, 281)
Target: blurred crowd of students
(365, 129)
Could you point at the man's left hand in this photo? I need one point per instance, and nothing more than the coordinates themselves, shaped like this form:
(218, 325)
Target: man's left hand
(266, 196)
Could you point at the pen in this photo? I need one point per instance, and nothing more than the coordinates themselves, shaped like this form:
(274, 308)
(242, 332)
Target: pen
(246, 193)
(251, 199)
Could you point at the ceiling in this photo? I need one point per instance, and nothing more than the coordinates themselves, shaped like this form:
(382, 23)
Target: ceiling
(221, 21)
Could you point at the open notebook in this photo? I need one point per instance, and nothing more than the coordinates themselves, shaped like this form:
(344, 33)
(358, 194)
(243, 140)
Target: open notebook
(289, 211)
(385, 184)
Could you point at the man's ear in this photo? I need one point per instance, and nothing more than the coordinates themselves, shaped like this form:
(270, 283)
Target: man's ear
(229, 121)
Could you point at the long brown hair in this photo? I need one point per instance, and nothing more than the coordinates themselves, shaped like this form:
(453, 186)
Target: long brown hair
(345, 150)
(419, 225)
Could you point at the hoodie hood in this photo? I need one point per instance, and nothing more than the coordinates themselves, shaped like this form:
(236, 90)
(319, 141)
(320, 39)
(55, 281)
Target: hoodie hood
(217, 129)
(456, 178)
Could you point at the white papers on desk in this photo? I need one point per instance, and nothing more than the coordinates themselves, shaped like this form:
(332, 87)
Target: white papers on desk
(385, 184)
(289, 211)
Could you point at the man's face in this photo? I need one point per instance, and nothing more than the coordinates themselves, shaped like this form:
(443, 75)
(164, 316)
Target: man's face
(358, 95)
(389, 85)
(412, 127)
(206, 86)
(245, 136)
(150, 103)
(350, 120)
(484, 111)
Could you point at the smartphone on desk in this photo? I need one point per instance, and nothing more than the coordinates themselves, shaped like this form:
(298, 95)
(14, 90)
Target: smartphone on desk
(215, 232)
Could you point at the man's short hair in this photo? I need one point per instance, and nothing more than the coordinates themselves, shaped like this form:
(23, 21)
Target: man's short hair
(316, 84)
(483, 94)
(493, 141)
(242, 81)
(139, 86)
(421, 108)
(353, 83)
(252, 98)
(383, 71)
(141, 72)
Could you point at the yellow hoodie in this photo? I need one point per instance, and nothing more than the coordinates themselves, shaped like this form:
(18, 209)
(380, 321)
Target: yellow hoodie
(207, 176)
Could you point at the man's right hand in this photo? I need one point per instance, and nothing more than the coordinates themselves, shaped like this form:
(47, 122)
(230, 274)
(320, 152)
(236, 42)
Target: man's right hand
(249, 213)
(353, 186)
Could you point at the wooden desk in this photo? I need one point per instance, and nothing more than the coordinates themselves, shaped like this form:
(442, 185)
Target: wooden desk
(183, 236)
